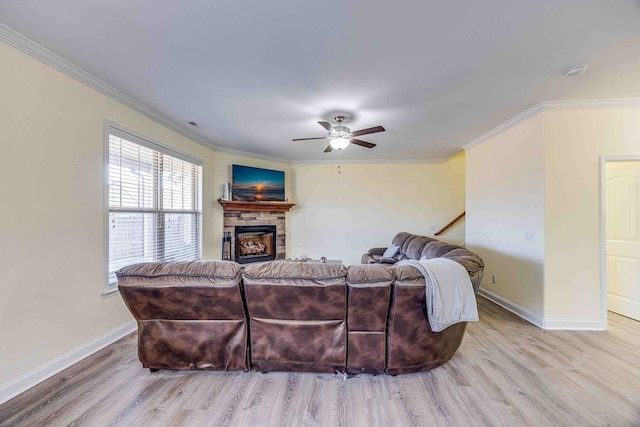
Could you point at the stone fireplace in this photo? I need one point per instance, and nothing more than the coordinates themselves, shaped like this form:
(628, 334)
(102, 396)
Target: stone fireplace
(252, 219)
(255, 243)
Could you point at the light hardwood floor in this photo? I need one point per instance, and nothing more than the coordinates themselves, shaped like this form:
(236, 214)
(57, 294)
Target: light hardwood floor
(506, 373)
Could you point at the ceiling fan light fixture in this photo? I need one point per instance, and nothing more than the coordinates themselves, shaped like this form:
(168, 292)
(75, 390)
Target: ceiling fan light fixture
(340, 137)
(339, 143)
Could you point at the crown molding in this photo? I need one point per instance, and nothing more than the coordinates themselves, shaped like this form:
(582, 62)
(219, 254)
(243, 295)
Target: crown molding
(44, 55)
(585, 104)
(365, 161)
(591, 104)
(252, 155)
(514, 121)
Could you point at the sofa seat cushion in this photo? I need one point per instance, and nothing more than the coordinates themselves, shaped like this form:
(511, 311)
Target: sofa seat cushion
(377, 259)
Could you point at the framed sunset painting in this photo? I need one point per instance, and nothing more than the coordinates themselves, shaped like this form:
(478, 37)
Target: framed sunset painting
(257, 185)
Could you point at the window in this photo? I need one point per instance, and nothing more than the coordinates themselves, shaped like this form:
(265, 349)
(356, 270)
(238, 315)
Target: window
(155, 203)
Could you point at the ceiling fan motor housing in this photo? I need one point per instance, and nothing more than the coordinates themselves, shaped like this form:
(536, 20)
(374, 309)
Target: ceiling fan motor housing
(340, 132)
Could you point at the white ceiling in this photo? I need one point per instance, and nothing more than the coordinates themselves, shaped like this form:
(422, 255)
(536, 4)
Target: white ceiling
(436, 74)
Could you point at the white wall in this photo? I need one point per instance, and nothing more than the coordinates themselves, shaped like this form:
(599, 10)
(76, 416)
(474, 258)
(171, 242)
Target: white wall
(505, 200)
(342, 210)
(574, 142)
(52, 253)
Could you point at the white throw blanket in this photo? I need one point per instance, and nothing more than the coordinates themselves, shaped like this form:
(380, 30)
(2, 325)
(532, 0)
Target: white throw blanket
(449, 295)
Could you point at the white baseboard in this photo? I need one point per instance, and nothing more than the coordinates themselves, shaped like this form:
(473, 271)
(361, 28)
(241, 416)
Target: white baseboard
(516, 309)
(49, 369)
(574, 324)
(542, 322)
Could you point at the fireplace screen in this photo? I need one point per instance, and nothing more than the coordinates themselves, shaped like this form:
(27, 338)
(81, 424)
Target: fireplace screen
(255, 243)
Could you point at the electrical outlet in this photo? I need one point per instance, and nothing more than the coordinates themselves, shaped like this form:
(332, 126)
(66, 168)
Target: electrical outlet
(493, 279)
(432, 227)
(530, 235)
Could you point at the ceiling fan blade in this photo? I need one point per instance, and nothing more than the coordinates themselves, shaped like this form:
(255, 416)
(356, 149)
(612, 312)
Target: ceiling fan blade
(362, 143)
(327, 126)
(367, 131)
(328, 149)
(309, 139)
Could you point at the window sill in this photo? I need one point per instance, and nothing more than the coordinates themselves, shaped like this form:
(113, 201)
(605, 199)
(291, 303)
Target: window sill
(109, 292)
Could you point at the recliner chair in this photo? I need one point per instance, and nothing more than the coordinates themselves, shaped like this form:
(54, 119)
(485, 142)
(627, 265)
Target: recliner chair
(297, 314)
(190, 315)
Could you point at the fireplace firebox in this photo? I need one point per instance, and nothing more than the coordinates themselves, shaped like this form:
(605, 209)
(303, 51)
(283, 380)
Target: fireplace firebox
(255, 243)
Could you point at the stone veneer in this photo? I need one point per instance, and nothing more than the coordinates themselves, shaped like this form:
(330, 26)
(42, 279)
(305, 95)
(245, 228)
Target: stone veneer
(233, 218)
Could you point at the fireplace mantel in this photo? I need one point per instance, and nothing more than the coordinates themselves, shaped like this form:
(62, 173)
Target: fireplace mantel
(229, 205)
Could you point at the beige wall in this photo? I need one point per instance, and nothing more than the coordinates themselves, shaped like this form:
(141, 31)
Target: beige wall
(505, 200)
(53, 239)
(574, 142)
(545, 172)
(52, 254)
(343, 210)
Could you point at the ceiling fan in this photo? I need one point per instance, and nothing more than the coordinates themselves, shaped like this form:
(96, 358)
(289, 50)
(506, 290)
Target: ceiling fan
(341, 136)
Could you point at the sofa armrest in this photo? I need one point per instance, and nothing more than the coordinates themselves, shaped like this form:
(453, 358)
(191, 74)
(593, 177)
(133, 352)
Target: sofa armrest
(372, 256)
(376, 251)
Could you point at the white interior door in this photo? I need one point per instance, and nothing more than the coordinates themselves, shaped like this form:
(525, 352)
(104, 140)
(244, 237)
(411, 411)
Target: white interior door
(623, 237)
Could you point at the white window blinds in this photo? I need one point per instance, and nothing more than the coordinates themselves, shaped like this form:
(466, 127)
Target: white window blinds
(155, 204)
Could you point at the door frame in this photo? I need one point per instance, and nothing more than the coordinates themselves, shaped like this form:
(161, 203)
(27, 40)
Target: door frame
(604, 159)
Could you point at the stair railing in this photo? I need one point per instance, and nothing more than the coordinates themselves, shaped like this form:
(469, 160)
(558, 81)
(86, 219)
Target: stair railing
(451, 224)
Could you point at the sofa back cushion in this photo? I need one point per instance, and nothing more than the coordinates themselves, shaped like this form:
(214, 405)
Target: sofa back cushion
(400, 238)
(297, 312)
(183, 290)
(416, 245)
(295, 290)
(437, 249)
(469, 260)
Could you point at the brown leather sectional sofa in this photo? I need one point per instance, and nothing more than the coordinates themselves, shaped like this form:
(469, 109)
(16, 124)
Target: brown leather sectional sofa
(289, 316)
(412, 246)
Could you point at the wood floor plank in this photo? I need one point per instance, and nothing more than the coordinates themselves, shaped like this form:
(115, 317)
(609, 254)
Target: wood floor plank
(506, 373)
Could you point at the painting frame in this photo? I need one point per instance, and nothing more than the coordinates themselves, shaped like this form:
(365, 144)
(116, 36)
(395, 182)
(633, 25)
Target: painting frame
(252, 184)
